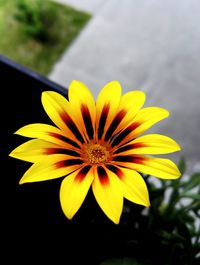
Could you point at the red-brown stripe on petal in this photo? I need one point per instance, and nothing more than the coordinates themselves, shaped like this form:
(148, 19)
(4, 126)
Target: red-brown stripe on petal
(130, 159)
(87, 121)
(103, 176)
(129, 147)
(103, 118)
(114, 124)
(117, 171)
(50, 151)
(119, 137)
(82, 173)
(64, 139)
(68, 162)
(72, 126)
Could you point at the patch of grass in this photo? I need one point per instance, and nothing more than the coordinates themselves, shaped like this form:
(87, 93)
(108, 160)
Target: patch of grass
(34, 54)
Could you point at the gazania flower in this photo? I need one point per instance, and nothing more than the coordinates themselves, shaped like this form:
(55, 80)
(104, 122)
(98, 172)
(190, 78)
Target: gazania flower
(98, 145)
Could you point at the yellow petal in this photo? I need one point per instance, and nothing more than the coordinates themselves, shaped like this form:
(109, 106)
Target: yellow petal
(56, 106)
(83, 105)
(130, 104)
(60, 112)
(159, 167)
(74, 189)
(48, 133)
(147, 117)
(134, 186)
(51, 167)
(149, 144)
(32, 150)
(108, 192)
(144, 119)
(107, 105)
(36, 149)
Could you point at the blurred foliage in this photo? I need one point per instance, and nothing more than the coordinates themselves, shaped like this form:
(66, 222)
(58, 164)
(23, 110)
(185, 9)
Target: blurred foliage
(168, 233)
(36, 17)
(37, 32)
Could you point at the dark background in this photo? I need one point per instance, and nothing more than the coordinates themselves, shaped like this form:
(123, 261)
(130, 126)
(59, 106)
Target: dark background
(33, 224)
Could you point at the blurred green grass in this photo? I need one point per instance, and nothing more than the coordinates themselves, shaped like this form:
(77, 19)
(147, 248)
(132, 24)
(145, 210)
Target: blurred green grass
(36, 55)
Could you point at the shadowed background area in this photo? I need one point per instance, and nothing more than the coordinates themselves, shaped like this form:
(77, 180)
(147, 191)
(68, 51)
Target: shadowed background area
(32, 222)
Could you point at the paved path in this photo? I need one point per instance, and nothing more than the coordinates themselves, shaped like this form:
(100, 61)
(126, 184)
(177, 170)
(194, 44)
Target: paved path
(91, 6)
(149, 45)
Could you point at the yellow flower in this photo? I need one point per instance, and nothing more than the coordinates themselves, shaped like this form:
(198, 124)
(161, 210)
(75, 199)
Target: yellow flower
(96, 144)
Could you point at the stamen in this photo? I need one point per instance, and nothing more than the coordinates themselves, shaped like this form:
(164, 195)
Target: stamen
(96, 154)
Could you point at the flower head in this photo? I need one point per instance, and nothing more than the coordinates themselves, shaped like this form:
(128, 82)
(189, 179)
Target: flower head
(98, 145)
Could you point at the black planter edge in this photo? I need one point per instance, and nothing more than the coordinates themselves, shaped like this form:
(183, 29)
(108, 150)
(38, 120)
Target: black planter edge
(8, 62)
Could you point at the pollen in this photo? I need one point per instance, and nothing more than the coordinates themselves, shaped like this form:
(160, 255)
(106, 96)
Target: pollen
(96, 154)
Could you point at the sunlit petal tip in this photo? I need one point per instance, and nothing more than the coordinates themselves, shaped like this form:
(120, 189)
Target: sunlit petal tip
(142, 95)
(75, 82)
(114, 83)
(116, 221)
(79, 94)
(18, 132)
(22, 131)
(13, 154)
(168, 113)
(139, 95)
(21, 181)
(148, 205)
(44, 95)
(178, 146)
(177, 174)
(163, 112)
(111, 87)
(77, 85)
(114, 218)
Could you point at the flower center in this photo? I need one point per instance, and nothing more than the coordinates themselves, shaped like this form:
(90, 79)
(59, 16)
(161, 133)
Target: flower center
(96, 154)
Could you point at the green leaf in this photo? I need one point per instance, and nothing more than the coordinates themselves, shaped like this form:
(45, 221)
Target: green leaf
(194, 181)
(182, 165)
(191, 196)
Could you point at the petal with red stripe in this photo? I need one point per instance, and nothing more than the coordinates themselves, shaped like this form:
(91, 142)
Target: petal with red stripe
(83, 105)
(48, 133)
(59, 110)
(130, 104)
(107, 106)
(144, 119)
(134, 186)
(108, 192)
(149, 144)
(74, 189)
(35, 150)
(51, 167)
(159, 167)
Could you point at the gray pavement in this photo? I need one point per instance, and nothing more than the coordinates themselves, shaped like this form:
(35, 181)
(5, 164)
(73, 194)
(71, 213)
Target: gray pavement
(151, 45)
(91, 6)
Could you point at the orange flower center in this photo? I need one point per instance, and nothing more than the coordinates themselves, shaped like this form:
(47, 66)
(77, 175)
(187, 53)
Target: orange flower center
(96, 154)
